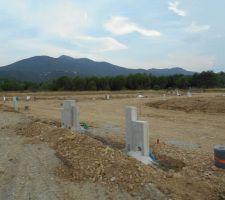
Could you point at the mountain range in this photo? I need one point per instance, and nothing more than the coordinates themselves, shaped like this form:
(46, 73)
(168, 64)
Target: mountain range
(43, 68)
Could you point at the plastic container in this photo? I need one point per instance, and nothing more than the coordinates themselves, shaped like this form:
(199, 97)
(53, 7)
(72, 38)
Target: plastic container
(219, 156)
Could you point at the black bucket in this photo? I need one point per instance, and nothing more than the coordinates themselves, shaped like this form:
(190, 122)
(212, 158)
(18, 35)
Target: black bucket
(219, 156)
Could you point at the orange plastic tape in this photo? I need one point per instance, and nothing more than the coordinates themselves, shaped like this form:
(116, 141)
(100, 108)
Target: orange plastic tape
(219, 160)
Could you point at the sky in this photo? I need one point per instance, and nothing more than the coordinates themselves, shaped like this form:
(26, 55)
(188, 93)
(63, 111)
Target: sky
(130, 33)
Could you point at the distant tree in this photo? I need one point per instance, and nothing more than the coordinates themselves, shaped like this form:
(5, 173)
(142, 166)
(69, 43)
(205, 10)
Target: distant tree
(63, 83)
(118, 83)
(103, 83)
(164, 82)
(79, 84)
(91, 83)
(221, 79)
(205, 79)
(182, 81)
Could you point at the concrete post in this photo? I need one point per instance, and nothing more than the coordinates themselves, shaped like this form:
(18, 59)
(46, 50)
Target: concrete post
(137, 132)
(131, 115)
(70, 115)
(76, 118)
(15, 104)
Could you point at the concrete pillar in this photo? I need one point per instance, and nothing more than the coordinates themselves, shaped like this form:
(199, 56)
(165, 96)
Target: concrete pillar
(70, 115)
(15, 104)
(189, 94)
(76, 118)
(137, 132)
(107, 97)
(131, 115)
(66, 114)
(28, 98)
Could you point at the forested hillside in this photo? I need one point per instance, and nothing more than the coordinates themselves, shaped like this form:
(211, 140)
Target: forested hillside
(207, 79)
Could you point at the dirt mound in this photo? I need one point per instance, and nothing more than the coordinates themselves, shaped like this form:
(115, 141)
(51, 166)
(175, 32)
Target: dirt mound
(202, 104)
(93, 161)
(181, 174)
(87, 159)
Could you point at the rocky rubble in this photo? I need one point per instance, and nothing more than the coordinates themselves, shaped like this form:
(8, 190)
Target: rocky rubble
(180, 174)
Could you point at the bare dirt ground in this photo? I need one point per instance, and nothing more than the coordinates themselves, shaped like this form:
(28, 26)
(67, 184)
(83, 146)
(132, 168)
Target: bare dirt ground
(187, 128)
(27, 169)
(195, 104)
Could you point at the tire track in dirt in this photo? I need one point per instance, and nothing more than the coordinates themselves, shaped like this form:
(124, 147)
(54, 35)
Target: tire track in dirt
(27, 170)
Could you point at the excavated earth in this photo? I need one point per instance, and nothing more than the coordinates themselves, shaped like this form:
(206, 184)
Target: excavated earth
(40, 160)
(201, 104)
(180, 173)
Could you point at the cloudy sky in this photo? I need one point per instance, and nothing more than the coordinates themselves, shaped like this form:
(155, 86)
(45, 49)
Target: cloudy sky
(130, 33)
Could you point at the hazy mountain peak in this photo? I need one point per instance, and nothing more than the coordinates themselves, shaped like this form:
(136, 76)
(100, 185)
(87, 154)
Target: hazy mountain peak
(65, 57)
(42, 68)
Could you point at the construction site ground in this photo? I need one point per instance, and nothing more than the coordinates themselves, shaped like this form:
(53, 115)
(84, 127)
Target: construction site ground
(40, 160)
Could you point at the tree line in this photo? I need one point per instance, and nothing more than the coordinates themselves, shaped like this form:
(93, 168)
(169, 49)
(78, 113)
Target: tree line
(207, 79)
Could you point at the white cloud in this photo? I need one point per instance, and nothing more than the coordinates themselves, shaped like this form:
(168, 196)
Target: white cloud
(102, 43)
(53, 17)
(174, 7)
(85, 15)
(196, 28)
(119, 25)
(62, 21)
